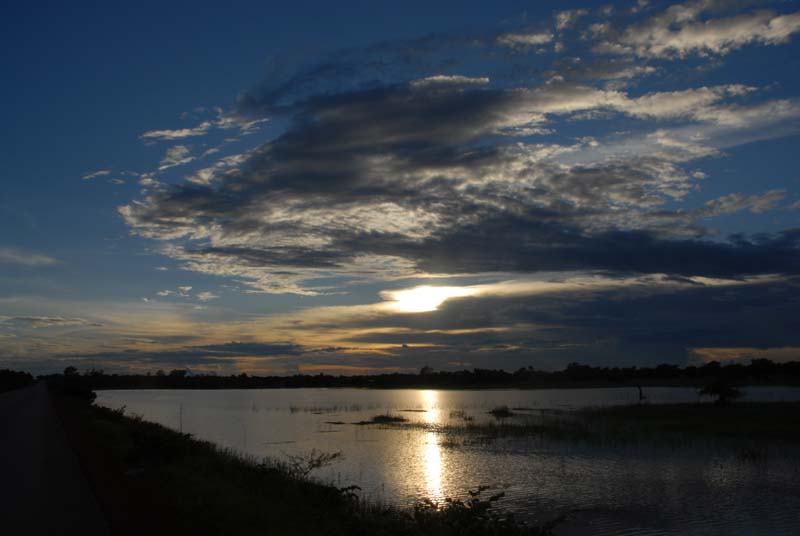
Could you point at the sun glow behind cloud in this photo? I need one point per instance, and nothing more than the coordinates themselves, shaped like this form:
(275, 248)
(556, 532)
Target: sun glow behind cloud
(423, 299)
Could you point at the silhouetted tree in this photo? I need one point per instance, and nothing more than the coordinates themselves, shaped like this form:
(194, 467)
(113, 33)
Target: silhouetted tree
(722, 391)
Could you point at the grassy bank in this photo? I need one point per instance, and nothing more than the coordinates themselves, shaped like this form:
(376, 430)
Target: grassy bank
(151, 479)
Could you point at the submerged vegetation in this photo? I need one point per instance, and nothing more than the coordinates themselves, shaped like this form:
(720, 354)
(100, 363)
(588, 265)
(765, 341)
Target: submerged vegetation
(750, 422)
(501, 412)
(384, 419)
(187, 486)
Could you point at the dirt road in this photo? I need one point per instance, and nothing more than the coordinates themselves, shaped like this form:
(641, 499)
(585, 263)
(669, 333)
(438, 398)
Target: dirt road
(42, 487)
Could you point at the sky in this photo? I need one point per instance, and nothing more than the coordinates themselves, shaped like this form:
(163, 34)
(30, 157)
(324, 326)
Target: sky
(367, 187)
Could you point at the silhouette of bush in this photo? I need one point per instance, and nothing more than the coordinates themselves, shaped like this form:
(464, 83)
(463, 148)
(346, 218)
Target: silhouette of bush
(472, 517)
(12, 379)
(384, 419)
(722, 391)
(501, 412)
(302, 465)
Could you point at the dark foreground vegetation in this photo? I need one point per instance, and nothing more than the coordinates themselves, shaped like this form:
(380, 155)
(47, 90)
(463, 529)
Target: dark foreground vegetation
(152, 480)
(758, 372)
(12, 379)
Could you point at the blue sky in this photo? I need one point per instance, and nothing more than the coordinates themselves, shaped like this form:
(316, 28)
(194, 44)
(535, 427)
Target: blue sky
(359, 187)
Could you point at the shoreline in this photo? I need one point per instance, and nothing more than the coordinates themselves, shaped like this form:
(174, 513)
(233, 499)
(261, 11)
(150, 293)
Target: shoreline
(581, 386)
(149, 478)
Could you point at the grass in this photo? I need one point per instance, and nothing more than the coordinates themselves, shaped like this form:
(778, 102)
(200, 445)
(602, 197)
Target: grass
(151, 479)
(384, 419)
(749, 422)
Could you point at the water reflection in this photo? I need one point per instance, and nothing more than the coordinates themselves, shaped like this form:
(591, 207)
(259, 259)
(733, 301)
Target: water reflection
(637, 489)
(432, 451)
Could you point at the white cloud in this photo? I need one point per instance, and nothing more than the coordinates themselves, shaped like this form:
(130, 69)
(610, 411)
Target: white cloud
(95, 174)
(677, 33)
(684, 103)
(565, 19)
(224, 121)
(524, 40)
(206, 296)
(176, 156)
(24, 258)
(177, 134)
(735, 202)
(220, 167)
(182, 292)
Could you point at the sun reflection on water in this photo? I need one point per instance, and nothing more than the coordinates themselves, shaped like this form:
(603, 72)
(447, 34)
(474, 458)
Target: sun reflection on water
(432, 451)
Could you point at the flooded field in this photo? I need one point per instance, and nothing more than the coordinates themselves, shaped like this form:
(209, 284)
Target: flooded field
(642, 487)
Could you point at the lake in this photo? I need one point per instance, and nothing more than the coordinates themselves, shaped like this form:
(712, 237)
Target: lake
(640, 489)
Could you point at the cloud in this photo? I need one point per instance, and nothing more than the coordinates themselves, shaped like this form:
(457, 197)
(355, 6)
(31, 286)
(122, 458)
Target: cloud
(735, 202)
(46, 321)
(223, 120)
(25, 258)
(401, 180)
(677, 32)
(219, 168)
(695, 103)
(177, 134)
(729, 354)
(449, 81)
(550, 322)
(566, 19)
(177, 155)
(95, 174)
(181, 292)
(479, 206)
(524, 40)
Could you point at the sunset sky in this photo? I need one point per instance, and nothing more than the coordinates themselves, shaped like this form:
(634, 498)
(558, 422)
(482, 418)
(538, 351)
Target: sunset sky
(347, 187)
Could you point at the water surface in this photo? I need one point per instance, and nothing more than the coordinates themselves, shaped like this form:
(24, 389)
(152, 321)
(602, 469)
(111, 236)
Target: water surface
(649, 488)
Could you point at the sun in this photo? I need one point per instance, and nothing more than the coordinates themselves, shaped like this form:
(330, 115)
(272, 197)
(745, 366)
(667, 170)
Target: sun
(423, 299)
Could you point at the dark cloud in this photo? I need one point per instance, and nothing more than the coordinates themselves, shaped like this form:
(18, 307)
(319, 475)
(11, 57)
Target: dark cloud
(640, 325)
(395, 161)
(423, 176)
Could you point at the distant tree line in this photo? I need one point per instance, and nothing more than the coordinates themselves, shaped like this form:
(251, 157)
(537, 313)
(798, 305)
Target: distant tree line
(757, 372)
(12, 379)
